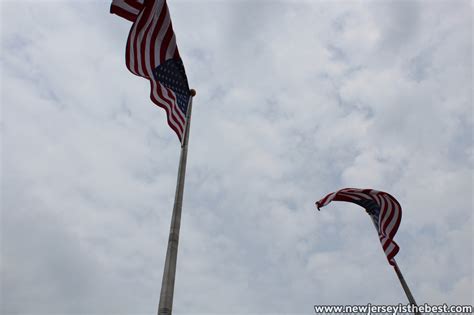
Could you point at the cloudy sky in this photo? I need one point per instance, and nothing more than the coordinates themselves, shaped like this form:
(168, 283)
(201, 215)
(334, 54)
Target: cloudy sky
(294, 100)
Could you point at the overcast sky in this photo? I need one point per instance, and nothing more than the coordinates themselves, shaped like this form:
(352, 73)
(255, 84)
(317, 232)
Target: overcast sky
(294, 100)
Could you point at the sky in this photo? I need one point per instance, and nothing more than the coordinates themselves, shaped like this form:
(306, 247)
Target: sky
(295, 99)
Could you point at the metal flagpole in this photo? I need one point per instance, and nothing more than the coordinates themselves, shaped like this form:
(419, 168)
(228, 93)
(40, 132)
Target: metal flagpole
(410, 297)
(167, 284)
(405, 286)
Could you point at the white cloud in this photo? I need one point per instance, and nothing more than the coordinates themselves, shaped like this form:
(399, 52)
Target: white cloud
(295, 99)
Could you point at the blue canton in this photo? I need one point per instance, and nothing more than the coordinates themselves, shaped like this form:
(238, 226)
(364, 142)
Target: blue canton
(372, 208)
(172, 75)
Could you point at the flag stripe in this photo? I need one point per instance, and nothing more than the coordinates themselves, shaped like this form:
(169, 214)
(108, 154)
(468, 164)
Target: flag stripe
(146, 47)
(130, 56)
(123, 13)
(387, 215)
(173, 125)
(162, 26)
(171, 98)
(128, 9)
(176, 111)
(136, 4)
(159, 99)
(143, 25)
(143, 59)
(166, 42)
(389, 218)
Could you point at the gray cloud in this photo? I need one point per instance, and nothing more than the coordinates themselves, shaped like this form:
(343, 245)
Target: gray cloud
(295, 99)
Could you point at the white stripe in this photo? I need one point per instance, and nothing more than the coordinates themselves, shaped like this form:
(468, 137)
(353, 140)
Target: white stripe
(378, 199)
(121, 4)
(330, 198)
(177, 109)
(374, 194)
(171, 48)
(148, 66)
(389, 249)
(159, 38)
(383, 212)
(131, 47)
(396, 214)
(387, 214)
(140, 39)
(165, 94)
(360, 194)
(350, 195)
(156, 85)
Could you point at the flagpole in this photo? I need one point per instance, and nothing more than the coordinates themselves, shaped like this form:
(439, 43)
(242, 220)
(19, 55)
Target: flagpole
(167, 285)
(405, 286)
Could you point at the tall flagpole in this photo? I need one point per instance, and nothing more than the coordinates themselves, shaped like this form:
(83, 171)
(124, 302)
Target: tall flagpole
(405, 286)
(167, 285)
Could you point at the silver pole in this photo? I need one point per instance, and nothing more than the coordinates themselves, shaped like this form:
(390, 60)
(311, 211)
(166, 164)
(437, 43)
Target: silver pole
(405, 286)
(167, 285)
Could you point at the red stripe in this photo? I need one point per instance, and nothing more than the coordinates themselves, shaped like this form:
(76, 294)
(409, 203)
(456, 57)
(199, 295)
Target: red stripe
(346, 196)
(385, 243)
(176, 109)
(159, 25)
(170, 113)
(131, 45)
(343, 198)
(176, 54)
(392, 254)
(322, 202)
(351, 195)
(143, 44)
(123, 13)
(166, 39)
(179, 129)
(384, 214)
(166, 43)
(377, 199)
(392, 220)
(135, 4)
(399, 219)
(392, 214)
(141, 22)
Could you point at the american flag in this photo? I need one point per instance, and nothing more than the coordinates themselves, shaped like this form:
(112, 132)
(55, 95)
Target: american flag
(384, 210)
(152, 53)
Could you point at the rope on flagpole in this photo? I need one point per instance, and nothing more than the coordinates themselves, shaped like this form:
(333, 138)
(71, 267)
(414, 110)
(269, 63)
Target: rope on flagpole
(169, 273)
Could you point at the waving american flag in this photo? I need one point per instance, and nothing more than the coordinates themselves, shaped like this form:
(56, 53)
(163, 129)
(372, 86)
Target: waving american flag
(152, 53)
(384, 210)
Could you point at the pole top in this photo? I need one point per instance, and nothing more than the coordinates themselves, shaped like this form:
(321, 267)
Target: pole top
(193, 92)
